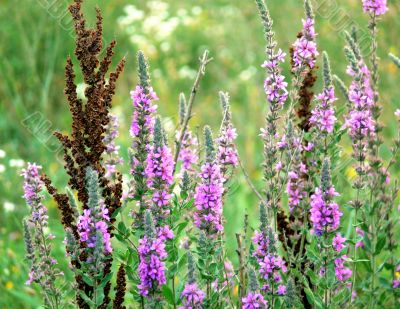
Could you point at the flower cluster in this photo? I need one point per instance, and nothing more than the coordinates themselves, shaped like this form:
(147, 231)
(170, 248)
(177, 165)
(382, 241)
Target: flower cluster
(342, 272)
(33, 187)
(93, 224)
(142, 120)
(141, 130)
(324, 213)
(396, 281)
(295, 186)
(270, 264)
(112, 157)
(323, 115)
(377, 7)
(360, 121)
(152, 255)
(338, 242)
(159, 173)
(274, 85)
(305, 48)
(208, 199)
(254, 301)
(192, 297)
(187, 154)
(227, 155)
(37, 243)
(228, 275)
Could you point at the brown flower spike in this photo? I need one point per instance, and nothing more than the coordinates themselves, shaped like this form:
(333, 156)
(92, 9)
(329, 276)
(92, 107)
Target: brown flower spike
(85, 147)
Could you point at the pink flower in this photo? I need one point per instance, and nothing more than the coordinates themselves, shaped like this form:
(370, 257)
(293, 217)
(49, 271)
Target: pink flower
(338, 242)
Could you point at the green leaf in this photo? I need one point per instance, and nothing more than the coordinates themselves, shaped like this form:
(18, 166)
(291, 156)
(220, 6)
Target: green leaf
(167, 292)
(380, 244)
(106, 279)
(310, 295)
(86, 298)
(180, 227)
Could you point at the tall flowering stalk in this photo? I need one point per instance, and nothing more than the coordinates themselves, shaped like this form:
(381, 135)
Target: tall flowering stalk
(305, 48)
(208, 200)
(188, 152)
(38, 245)
(208, 195)
(254, 299)
(379, 178)
(325, 216)
(271, 266)
(93, 224)
(276, 92)
(324, 213)
(304, 54)
(141, 131)
(158, 172)
(227, 156)
(112, 158)
(323, 115)
(360, 123)
(192, 295)
(152, 257)
(94, 247)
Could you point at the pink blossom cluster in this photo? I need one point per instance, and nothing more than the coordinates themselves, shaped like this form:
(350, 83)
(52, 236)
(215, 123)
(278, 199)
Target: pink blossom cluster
(152, 257)
(305, 48)
(324, 213)
(193, 297)
(270, 264)
(254, 301)
(342, 272)
(91, 225)
(360, 121)
(33, 187)
(112, 156)
(144, 110)
(377, 7)
(159, 174)
(208, 199)
(274, 85)
(295, 186)
(227, 153)
(323, 115)
(187, 154)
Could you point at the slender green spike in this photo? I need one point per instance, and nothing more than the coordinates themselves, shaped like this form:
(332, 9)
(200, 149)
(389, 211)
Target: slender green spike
(354, 33)
(143, 70)
(395, 60)
(342, 87)
(224, 100)
(352, 59)
(158, 133)
(265, 17)
(353, 46)
(263, 217)
(92, 187)
(326, 182)
(253, 282)
(326, 70)
(191, 277)
(28, 241)
(149, 228)
(209, 144)
(182, 108)
(308, 9)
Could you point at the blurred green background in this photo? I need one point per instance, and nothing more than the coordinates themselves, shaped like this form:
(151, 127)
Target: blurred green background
(37, 36)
